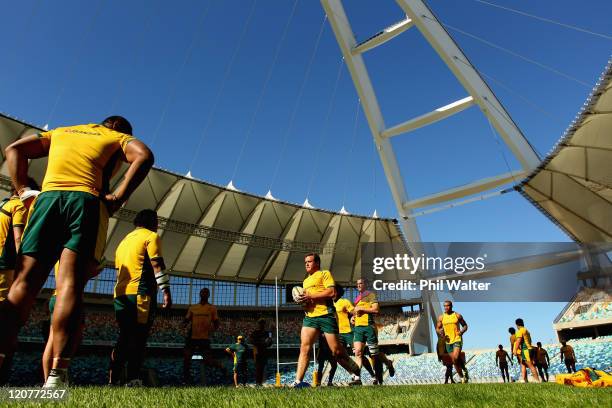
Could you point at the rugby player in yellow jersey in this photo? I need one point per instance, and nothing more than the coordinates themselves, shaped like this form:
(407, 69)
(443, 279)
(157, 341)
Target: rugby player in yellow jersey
(512, 332)
(452, 326)
(68, 221)
(203, 319)
(365, 332)
(13, 218)
(523, 348)
(317, 300)
(344, 308)
(140, 272)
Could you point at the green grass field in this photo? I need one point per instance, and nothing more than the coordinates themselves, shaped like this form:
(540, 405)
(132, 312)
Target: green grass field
(447, 396)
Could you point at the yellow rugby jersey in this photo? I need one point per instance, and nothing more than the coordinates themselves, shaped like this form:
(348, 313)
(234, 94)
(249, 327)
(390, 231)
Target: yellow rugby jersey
(12, 214)
(512, 342)
(450, 322)
(317, 283)
(135, 274)
(83, 157)
(202, 317)
(343, 308)
(526, 336)
(366, 299)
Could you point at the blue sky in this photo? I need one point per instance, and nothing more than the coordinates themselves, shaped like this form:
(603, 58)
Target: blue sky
(162, 65)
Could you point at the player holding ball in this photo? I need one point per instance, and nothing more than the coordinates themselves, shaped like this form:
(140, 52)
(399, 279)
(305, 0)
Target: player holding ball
(317, 301)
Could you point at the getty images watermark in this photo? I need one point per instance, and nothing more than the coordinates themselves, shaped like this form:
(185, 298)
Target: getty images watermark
(485, 271)
(411, 265)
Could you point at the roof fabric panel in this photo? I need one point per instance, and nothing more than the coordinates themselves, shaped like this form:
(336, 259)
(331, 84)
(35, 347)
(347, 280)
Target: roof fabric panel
(573, 185)
(211, 232)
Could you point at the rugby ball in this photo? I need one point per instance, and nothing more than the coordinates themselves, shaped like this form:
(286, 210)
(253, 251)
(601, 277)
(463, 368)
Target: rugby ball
(296, 292)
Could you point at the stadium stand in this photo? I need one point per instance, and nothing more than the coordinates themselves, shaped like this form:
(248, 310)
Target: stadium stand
(589, 304)
(168, 328)
(588, 314)
(169, 331)
(91, 367)
(396, 328)
(425, 368)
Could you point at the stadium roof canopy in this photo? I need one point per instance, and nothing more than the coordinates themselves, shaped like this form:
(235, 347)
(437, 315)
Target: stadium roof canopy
(573, 185)
(214, 232)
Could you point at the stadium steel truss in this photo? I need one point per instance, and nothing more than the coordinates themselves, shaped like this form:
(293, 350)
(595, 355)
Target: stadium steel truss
(581, 205)
(220, 233)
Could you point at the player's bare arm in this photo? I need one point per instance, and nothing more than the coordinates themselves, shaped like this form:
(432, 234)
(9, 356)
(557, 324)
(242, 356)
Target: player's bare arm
(517, 345)
(440, 327)
(19, 152)
(188, 317)
(141, 159)
(17, 233)
(462, 322)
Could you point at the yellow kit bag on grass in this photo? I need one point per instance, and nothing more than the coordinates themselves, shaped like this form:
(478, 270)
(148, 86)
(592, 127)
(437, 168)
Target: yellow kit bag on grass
(586, 377)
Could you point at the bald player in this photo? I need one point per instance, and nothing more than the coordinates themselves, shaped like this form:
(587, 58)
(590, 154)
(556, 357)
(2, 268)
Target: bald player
(452, 326)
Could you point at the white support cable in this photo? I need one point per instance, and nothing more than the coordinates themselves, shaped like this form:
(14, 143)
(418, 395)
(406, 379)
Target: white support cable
(75, 60)
(297, 104)
(458, 203)
(516, 54)
(546, 20)
(134, 54)
(177, 75)
(221, 89)
(349, 154)
(18, 42)
(264, 88)
(501, 150)
(509, 120)
(528, 101)
(330, 109)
